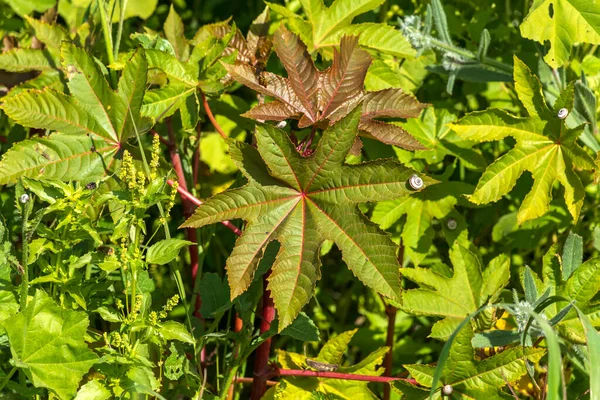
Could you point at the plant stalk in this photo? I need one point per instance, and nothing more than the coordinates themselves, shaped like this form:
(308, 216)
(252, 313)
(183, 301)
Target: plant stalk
(389, 342)
(341, 375)
(7, 378)
(261, 362)
(107, 32)
(467, 54)
(211, 117)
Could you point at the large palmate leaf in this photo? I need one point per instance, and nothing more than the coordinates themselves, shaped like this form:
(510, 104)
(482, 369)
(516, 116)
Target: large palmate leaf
(546, 147)
(454, 294)
(432, 131)
(47, 343)
(581, 287)
(91, 123)
(473, 379)
(189, 72)
(301, 202)
(326, 26)
(562, 23)
(331, 353)
(36, 68)
(323, 97)
(421, 209)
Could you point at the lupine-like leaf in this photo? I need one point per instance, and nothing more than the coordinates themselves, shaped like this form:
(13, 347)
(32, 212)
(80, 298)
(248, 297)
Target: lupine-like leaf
(435, 202)
(327, 25)
(470, 287)
(474, 379)
(563, 23)
(545, 147)
(581, 287)
(91, 122)
(331, 354)
(47, 342)
(323, 97)
(300, 202)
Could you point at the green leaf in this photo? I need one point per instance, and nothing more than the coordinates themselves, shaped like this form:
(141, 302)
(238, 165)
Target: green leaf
(572, 256)
(91, 122)
(593, 356)
(214, 294)
(326, 26)
(476, 379)
(301, 202)
(470, 287)
(303, 329)
(309, 387)
(422, 209)
(60, 156)
(564, 22)
(47, 342)
(22, 60)
(580, 288)
(174, 32)
(433, 132)
(27, 7)
(173, 330)
(165, 251)
(545, 147)
(93, 390)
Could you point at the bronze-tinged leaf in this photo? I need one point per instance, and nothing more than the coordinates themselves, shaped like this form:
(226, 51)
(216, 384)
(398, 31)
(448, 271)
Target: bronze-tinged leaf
(302, 74)
(258, 40)
(273, 111)
(270, 84)
(393, 103)
(390, 134)
(345, 78)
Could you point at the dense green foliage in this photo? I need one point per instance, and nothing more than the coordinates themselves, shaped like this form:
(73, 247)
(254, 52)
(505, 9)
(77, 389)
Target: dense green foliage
(399, 199)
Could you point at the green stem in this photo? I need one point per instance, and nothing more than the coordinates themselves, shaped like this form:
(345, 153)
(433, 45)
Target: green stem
(7, 378)
(25, 257)
(107, 31)
(228, 381)
(467, 54)
(120, 28)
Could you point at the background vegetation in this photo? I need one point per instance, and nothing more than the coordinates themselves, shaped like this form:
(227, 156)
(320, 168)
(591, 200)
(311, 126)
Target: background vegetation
(299, 200)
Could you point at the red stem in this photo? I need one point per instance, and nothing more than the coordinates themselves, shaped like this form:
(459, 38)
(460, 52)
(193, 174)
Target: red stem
(190, 197)
(261, 362)
(341, 375)
(211, 117)
(188, 209)
(389, 342)
(251, 380)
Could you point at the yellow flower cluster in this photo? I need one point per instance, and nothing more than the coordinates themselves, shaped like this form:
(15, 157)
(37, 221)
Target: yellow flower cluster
(156, 317)
(135, 309)
(155, 157)
(171, 202)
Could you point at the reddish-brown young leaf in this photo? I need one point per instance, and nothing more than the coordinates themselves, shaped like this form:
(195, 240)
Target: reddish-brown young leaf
(322, 98)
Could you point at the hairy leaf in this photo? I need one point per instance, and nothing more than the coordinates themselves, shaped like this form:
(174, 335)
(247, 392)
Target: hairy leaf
(545, 147)
(323, 97)
(301, 202)
(470, 287)
(47, 342)
(562, 23)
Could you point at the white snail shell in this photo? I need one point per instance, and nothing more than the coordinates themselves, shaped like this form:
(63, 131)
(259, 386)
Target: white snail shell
(563, 113)
(452, 224)
(447, 390)
(281, 124)
(416, 182)
(24, 198)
